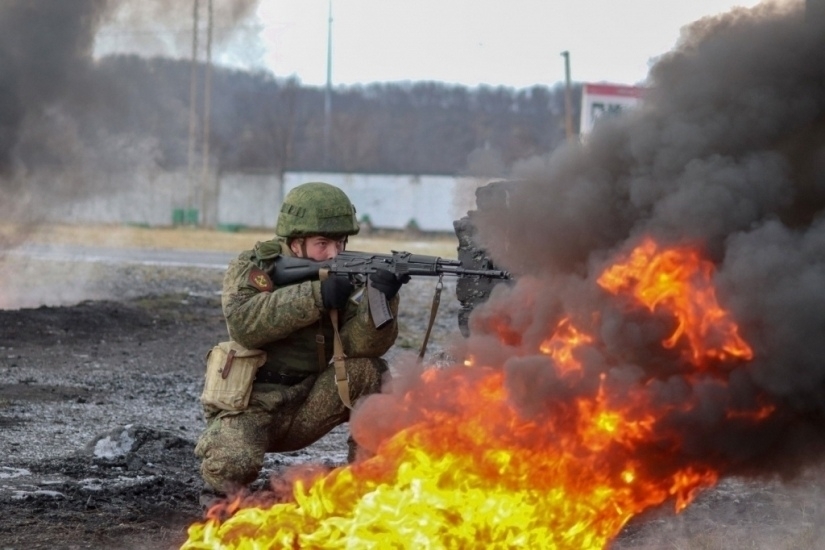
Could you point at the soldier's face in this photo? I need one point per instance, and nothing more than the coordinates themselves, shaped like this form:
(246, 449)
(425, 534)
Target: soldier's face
(318, 247)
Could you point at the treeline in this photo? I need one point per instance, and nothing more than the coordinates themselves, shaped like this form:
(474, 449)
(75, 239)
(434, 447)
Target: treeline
(260, 123)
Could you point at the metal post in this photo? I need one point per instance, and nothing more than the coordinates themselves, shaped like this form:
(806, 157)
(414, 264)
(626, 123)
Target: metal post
(568, 103)
(207, 110)
(328, 94)
(193, 100)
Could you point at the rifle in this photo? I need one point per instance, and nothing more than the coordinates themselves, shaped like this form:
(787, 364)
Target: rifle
(358, 265)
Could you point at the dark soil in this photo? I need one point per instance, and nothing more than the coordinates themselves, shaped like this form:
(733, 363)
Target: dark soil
(98, 412)
(99, 415)
(99, 409)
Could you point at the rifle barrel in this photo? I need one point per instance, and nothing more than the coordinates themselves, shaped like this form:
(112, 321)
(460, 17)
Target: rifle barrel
(494, 273)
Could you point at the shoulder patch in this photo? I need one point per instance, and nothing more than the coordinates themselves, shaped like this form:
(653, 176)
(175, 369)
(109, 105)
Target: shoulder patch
(260, 280)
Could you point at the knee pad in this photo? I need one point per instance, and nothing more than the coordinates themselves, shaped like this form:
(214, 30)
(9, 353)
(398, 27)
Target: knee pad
(230, 457)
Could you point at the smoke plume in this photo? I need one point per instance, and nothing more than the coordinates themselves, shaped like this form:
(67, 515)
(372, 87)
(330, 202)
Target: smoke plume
(726, 153)
(44, 45)
(48, 78)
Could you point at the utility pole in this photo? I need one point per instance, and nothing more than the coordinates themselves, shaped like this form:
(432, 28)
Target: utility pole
(328, 94)
(568, 102)
(193, 100)
(207, 107)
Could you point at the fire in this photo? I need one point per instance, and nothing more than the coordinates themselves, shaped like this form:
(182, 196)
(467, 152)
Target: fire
(680, 281)
(466, 467)
(561, 345)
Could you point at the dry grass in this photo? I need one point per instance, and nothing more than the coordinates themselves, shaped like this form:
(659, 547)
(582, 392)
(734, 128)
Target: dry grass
(190, 238)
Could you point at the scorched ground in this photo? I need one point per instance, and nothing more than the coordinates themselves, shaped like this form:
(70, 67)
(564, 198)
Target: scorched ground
(99, 416)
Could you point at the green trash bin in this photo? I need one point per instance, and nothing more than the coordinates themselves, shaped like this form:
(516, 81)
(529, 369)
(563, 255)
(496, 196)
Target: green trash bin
(230, 227)
(192, 216)
(178, 216)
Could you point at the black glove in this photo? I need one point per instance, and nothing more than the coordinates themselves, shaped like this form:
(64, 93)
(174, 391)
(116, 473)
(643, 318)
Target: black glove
(387, 282)
(335, 292)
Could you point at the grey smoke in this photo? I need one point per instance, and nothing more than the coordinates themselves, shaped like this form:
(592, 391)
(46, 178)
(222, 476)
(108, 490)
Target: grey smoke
(727, 152)
(42, 46)
(48, 78)
(46, 56)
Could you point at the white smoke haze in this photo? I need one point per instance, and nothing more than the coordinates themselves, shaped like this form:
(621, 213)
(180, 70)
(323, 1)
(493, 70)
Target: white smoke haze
(160, 28)
(47, 70)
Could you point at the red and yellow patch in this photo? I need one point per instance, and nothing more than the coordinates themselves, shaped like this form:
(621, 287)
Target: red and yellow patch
(260, 280)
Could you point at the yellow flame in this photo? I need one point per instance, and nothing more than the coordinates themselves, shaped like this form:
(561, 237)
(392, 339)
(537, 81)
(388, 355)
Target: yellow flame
(464, 482)
(443, 502)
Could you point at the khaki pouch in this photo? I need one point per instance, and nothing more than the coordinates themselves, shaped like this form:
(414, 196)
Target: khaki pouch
(230, 371)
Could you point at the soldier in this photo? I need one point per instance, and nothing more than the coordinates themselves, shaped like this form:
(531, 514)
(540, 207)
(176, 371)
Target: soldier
(294, 398)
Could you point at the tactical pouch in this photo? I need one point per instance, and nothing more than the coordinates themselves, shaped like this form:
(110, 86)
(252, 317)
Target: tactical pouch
(230, 371)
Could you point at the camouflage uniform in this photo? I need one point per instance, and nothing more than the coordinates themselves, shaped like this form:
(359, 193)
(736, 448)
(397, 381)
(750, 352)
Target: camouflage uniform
(286, 322)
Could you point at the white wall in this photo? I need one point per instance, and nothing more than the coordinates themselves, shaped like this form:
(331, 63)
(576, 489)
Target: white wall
(254, 200)
(141, 198)
(391, 201)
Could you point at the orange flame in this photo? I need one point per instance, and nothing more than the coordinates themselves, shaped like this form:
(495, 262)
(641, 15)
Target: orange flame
(680, 282)
(561, 345)
(468, 468)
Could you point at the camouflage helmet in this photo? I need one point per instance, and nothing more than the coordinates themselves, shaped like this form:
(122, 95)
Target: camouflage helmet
(316, 208)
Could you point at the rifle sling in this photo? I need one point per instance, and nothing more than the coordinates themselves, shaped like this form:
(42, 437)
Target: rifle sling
(433, 312)
(338, 360)
(338, 357)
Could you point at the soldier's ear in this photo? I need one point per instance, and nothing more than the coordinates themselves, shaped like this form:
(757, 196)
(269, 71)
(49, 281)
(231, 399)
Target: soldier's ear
(296, 246)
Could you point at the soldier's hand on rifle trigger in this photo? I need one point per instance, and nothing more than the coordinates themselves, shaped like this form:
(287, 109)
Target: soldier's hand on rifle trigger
(335, 291)
(388, 283)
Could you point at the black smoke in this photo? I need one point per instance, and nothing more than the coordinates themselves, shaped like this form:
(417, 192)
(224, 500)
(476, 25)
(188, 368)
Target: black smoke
(48, 77)
(43, 46)
(726, 153)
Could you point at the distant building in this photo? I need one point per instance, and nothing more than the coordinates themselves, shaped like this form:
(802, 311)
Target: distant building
(600, 100)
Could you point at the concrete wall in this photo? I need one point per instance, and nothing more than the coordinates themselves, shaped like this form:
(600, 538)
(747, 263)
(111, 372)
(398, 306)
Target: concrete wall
(392, 201)
(254, 200)
(140, 198)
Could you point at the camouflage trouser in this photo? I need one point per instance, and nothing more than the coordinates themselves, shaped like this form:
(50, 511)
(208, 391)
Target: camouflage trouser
(279, 419)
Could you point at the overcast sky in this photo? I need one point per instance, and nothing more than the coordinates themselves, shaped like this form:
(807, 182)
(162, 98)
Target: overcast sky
(515, 43)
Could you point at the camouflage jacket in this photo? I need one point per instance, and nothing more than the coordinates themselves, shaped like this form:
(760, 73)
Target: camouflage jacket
(286, 321)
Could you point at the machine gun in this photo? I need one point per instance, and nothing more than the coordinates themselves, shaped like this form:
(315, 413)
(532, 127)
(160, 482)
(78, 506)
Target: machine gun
(358, 265)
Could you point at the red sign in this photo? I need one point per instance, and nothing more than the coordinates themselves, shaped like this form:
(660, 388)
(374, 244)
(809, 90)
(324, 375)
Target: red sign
(600, 100)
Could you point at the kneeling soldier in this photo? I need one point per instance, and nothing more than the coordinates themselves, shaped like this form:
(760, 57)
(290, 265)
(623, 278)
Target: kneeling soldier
(294, 398)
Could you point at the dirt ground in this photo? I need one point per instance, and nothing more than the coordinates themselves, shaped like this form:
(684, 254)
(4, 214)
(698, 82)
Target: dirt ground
(99, 410)
(99, 416)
